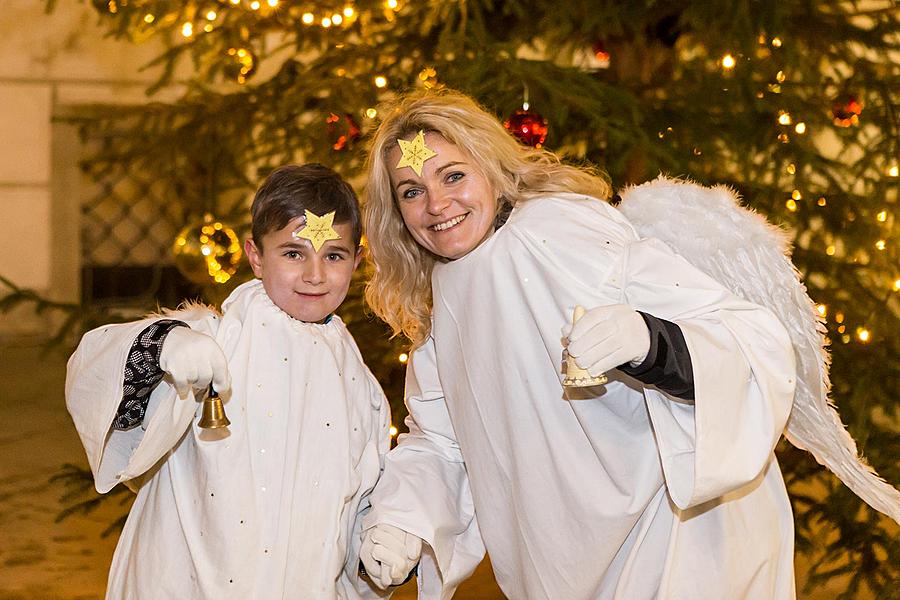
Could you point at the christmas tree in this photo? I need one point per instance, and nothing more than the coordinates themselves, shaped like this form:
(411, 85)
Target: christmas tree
(793, 104)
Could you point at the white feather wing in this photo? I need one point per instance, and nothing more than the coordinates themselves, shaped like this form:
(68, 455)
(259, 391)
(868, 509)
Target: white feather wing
(751, 257)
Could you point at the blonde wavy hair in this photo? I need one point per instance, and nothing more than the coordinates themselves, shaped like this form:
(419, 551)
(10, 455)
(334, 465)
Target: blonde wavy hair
(399, 288)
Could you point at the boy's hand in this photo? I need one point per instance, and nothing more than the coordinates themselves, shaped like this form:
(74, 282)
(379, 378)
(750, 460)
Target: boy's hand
(606, 337)
(194, 360)
(388, 553)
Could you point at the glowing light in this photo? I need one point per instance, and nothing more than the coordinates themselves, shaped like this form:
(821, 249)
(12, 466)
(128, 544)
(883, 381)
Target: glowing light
(776, 41)
(254, 5)
(784, 138)
(326, 22)
(381, 81)
(392, 4)
(273, 3)
(784, 117)
(880, 244)
(791, 205)
(728, 62)
(779, 77)
(148, 18)
(839, 317)
(863, 334)
(882, 216)
(211, 15)
(821, 201)
(830, 250)
(800, 127)
(208, 27)
(337, 19)
(371, 113)
(893, 170)
(403, 357)
(897, 285)
(823, 310)
(348, 12)
(796, 195)
(393, 431)
(235, 2)
(187, 30)
(307, 18)
(205, 250)
(791, 168)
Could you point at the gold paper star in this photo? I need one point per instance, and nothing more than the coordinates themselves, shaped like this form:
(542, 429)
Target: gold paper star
(415, 153)
(318, 230)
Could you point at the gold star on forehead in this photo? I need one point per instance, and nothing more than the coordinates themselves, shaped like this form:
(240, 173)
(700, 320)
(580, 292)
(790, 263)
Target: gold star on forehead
(415, 153)
(318, 230)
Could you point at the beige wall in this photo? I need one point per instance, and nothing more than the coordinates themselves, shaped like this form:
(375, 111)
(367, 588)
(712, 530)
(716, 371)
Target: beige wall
(50, 64)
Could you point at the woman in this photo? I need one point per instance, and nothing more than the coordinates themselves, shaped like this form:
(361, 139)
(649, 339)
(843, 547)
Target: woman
(660, 483)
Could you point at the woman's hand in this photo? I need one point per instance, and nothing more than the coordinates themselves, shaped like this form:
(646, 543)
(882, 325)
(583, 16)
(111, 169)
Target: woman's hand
(389, 554)
(606, 337)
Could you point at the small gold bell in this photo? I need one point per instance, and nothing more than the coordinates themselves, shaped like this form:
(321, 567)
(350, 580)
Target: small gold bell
(213, 415)
(575, 375)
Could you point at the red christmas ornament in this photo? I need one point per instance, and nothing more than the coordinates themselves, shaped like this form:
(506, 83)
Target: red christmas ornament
(846, 109)
(529, 127)
(342, 131)
(601, 53)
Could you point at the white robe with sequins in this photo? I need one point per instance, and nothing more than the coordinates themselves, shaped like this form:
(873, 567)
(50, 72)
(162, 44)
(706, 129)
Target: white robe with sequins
(270, 511)
(617, 492)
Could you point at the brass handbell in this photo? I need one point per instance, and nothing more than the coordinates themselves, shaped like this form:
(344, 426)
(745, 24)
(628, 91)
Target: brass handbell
(213, 415)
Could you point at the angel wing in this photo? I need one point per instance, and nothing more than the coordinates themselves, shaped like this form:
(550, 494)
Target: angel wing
(740, 249)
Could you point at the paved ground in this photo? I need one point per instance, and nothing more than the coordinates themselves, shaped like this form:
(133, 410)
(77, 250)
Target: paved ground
(44, 560)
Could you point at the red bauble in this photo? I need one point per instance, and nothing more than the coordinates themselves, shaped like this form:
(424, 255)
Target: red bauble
(342, 131)
(846, 109)
(529, 127)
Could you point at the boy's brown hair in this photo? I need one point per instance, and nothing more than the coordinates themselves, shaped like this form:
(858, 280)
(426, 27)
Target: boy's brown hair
(290, 190)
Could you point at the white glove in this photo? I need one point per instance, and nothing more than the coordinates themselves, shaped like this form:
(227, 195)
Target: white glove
(606, 337)
(388, 553)
(194, 360)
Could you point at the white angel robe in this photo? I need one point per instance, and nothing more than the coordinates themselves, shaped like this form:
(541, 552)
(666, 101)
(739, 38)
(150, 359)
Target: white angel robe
(620, 491)
(272, 510)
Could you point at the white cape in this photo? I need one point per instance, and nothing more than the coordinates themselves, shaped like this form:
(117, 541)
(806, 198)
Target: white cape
(625, 492)
(272, 510)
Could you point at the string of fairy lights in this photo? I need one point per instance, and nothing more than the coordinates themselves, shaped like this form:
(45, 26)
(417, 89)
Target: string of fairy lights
(846, 111)
(195, 19)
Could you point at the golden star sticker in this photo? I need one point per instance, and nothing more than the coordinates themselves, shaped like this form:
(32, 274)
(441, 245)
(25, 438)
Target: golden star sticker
(318, 230)
(415, 153)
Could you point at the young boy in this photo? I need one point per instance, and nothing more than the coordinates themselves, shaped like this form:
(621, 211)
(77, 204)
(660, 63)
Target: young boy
(271, 509)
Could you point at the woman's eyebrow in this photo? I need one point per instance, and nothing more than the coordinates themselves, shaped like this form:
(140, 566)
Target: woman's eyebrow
(448, 165)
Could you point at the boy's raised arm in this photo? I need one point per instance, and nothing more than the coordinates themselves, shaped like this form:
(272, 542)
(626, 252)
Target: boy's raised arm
(108, 403)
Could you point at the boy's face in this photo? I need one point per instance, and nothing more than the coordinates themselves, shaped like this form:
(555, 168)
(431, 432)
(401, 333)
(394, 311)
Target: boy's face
(306, 284)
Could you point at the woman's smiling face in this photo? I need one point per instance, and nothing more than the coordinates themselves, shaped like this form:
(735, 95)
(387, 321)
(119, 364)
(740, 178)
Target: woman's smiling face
(449, 209)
